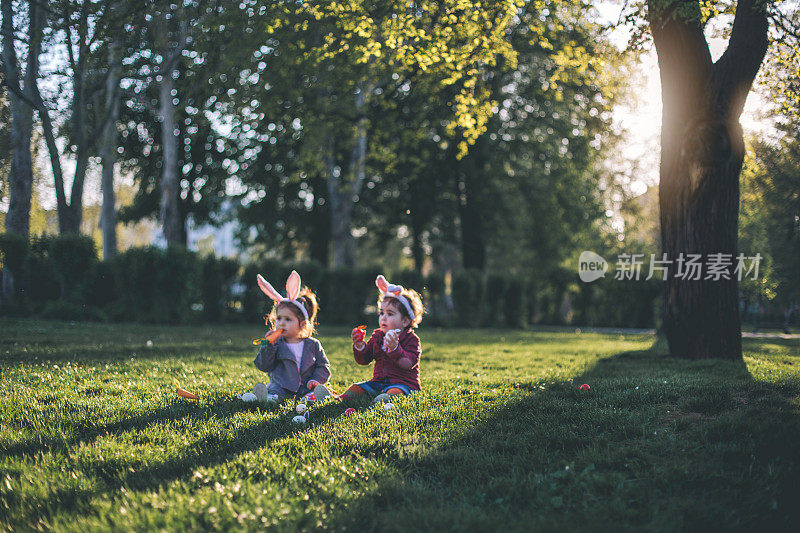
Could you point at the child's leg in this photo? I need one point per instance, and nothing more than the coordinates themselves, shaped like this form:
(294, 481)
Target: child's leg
(393, 390)
(365, 387)
(354, 390)
(276, 393)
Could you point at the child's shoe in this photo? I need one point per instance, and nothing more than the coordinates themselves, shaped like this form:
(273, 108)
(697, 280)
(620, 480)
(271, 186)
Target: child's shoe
(383, 398)
(261, 391)
(309, 398)
(321, 392)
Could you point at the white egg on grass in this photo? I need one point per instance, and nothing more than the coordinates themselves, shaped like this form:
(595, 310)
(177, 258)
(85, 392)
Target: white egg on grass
(248, 397)
(261, 391)
(301, 408)
(299, 420)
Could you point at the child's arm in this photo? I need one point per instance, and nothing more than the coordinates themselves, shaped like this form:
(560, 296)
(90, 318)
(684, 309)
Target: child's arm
(406, 356)
(322, 368)
(266, 359)
(364, 355)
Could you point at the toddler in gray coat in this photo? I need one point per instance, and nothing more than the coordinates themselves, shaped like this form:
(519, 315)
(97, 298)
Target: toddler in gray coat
(295, 362)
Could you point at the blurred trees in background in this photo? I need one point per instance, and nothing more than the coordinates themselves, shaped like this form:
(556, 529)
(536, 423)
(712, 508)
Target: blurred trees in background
(369, 141)
(450, 138)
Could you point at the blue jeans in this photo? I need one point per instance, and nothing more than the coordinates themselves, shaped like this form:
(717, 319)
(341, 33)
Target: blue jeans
(274, 388)
(374, 388)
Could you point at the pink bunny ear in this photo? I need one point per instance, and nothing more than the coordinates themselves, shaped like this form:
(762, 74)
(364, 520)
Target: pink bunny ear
(268, 289)
(382, 284)
(394, 289)
(293, 285)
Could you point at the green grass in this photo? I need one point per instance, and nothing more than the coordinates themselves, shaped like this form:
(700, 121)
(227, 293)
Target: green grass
(92, 435)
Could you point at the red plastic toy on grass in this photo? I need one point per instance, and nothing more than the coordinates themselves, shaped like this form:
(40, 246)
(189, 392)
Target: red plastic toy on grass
(585, 386)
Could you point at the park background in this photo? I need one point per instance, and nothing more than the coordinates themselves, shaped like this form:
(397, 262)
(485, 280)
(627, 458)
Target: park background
(476, 177)
(155, 156)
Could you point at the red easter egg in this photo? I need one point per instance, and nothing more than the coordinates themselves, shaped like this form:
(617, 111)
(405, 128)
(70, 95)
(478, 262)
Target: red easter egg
(585, 387)
(349, 411)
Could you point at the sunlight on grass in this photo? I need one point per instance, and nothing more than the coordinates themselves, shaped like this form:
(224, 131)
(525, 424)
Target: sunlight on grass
(93, 436)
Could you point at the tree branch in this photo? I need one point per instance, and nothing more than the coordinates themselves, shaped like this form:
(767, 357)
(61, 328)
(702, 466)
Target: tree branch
(684, 60)
(140, 99)
(735, 71)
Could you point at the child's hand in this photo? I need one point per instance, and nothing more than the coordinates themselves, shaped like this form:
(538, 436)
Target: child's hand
(273, 335)
(312, 383)
(390, 341)
(358, 334)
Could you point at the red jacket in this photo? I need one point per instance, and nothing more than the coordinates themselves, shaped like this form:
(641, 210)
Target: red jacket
(386, 364)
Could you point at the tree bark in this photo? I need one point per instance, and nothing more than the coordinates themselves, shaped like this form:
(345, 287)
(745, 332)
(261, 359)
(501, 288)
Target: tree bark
(342, 190)
(70, 215)
(171, 47)
(20, 179)
(320, 238)
(170, 217)
(473, 247)
(108, 154)
(702, 151)
(417, 225)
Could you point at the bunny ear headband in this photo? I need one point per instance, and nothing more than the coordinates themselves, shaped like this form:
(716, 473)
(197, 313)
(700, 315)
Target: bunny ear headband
(394, 291)
(292, 291)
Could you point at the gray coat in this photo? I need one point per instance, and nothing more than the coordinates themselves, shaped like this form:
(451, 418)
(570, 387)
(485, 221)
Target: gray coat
(279, 362)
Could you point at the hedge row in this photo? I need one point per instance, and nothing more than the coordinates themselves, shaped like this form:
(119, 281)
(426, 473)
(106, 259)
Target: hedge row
(62, 277)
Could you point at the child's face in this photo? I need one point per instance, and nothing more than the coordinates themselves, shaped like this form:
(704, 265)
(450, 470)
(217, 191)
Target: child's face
(288, 322)
(390, 316)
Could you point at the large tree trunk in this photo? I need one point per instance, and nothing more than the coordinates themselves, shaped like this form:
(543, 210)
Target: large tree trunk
(108, 155)
(417, 225)
(702, 150)
(320, 220)
(340, 204)
(170, 217)
(70, 214)
(343, 189)
(470, 191)
(21, 98)
(70, 219)
(21, 101)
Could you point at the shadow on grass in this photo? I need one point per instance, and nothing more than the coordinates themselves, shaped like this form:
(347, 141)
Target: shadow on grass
(112, 475)
(87, 432)
(89, 355)
(657, 443)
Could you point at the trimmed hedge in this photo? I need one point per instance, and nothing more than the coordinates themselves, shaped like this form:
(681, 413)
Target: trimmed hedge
(154, 285)
(468, 300)
(62, 277)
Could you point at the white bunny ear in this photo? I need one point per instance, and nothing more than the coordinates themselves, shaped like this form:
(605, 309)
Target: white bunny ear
(293, 285)
(381, 283)
(268, 289)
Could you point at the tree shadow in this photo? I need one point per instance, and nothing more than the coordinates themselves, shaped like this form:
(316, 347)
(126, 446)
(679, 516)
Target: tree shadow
(208, 452)
(86, 432)
(656, 443)
(93, 354)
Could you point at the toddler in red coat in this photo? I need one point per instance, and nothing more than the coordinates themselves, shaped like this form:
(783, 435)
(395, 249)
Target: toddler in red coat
(394, 346)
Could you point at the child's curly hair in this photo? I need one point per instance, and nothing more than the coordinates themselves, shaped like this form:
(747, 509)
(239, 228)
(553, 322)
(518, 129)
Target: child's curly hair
(309, 300)
(414, 298)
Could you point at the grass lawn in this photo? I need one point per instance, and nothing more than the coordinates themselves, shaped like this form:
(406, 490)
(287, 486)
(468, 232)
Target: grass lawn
(92, 435)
